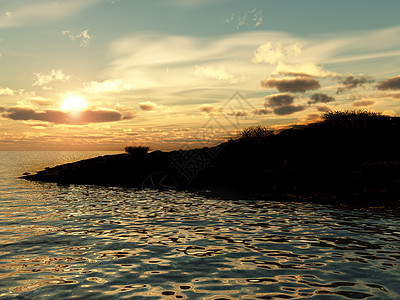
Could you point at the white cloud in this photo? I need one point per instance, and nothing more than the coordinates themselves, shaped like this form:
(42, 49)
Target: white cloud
(306, 68)
(251, 18)
(6, 91)
(230, 19)
(106, 86)
(273, 53)
(42, 11)
(82, 36)
(144, 60)
(45, 78)
(215, 73)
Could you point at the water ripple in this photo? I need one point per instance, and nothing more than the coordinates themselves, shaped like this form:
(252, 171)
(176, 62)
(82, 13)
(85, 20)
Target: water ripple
(82, 241)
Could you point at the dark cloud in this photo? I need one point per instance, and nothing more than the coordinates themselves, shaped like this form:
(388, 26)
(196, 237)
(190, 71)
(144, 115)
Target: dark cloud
(207, 108)
(351, 82)
(297, 84)
(262, 111)
(313, 117)
(323, 108)
(147, 106)
(129, 115)
(2, 108)
(282, 104)
(320, 98)
(279, 100)
(61, 117)
(390, 84)
(361, 103)
(238, 114)
(288, 109)
(294, 74)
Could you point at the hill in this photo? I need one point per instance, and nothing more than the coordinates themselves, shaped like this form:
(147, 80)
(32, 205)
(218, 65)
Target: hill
(349, 157)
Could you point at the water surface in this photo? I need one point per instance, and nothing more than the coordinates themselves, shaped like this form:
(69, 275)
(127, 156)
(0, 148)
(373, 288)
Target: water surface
(65, 242)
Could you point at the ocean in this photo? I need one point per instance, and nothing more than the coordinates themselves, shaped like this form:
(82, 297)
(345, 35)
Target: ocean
(90, 242)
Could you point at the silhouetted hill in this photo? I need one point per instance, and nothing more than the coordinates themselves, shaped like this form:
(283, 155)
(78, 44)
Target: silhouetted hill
(352, 157)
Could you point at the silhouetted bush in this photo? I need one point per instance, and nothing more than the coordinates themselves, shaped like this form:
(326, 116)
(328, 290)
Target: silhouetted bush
(137, 150)
(255, 134)
(351, 118)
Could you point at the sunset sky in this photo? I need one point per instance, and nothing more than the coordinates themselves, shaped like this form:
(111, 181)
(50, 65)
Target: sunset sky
(175, 74)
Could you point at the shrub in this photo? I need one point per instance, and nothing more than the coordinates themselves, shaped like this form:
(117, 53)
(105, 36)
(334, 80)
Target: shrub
(352, 118)
(137, 150)
(349, 115)
(255, 134)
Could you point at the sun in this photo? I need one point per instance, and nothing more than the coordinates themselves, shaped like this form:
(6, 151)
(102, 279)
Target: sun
(73, 104)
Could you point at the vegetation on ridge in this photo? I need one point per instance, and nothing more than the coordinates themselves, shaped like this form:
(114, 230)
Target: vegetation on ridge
(137, 150)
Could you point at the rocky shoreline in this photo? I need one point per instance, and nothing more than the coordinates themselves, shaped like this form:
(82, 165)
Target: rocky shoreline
(350, 160)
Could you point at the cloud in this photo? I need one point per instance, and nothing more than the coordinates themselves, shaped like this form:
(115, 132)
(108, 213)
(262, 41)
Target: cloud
(42, 11)
(274, 53)
(279, 100)
(393, 95)
(230, 19)
(288, 109)
(54, 75)
(215, 73)
(128, 115)
(323, 108)
(40, 101)
(148, 106)
(320, 98)
(238, 114)
(282, 104)
(262, 111)
(300, 69)
(361, 103)
(6, 91)
(379, 95)
(83, 37)
(390, 84)
(207, 108)
(143, 59)
(313, 117)
(106, 86)
(351, 82)
(252, 18)
(297, 84)
(165, 62)
(61, 117)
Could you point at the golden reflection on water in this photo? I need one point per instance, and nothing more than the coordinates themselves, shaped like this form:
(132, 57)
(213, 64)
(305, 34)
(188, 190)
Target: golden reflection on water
(111, 242)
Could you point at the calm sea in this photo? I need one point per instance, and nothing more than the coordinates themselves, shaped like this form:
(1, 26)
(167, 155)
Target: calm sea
(88, 242)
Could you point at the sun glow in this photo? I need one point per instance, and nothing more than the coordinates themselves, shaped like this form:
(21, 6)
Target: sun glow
(73, 104)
